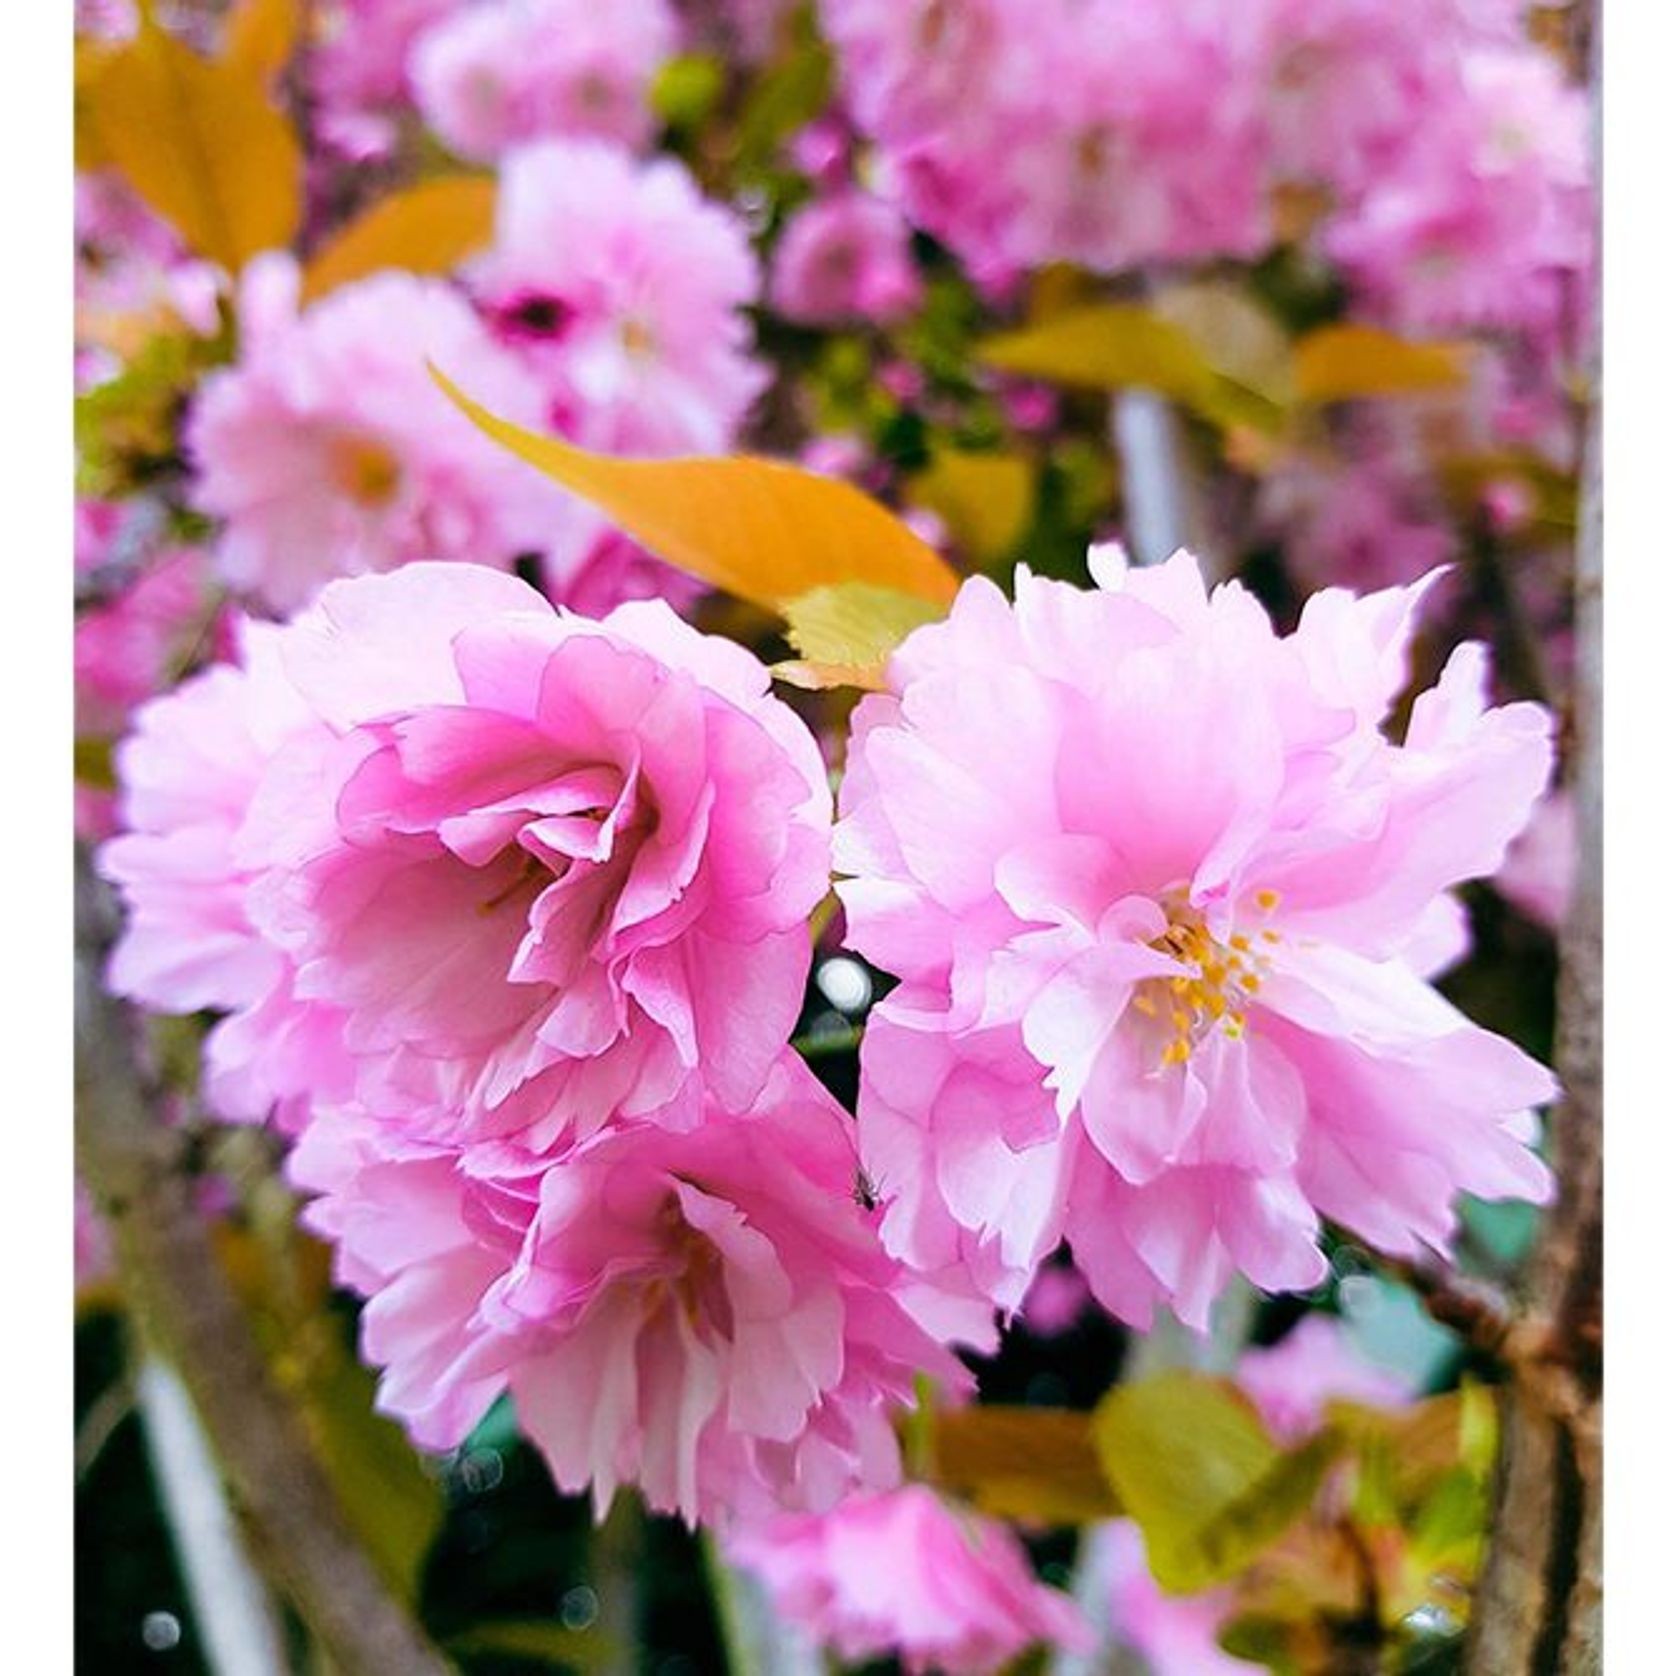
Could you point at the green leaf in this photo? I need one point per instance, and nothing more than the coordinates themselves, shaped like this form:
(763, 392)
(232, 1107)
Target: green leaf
(847, 631)
(687, 88)
(537, 1640)
(393, 1503)
(1023, 1463)
(1194, 1467)
(761, 529)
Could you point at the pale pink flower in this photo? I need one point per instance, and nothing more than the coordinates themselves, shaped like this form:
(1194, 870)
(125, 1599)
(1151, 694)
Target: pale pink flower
(708, 1315)
(907, 1573)
(1357, 522)
(1540, 871)
(1142, 143)
(495, 868)
(1090, 131)
(492, 75)
(327, 450)
(188, 773)
(129, 646)
(1347, 84)
(622, 287)
(1175, 1634)
(1485, 216)
(358, 65)
(1292, 1382)
(1157, 994)
(844, 259)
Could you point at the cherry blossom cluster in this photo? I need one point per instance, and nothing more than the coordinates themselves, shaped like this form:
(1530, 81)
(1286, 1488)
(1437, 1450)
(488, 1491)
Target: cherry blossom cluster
(505, 910)
(1449, 151)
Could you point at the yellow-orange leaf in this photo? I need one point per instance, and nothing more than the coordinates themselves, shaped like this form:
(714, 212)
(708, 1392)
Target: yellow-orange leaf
(846, 632)
(261, 35)
(1342, 363)
(200, 141)
(428, 229)
(1039, 1464)
(753, 527)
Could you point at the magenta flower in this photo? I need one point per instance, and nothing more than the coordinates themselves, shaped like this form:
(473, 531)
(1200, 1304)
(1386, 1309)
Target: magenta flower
(907, 1573)
(708, 1315)
(622, 289)
(490, 867)
(843, 259)
(1159, 956)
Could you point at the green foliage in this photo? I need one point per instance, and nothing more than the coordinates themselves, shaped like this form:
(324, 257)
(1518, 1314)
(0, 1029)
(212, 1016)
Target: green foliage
(1195, 1468)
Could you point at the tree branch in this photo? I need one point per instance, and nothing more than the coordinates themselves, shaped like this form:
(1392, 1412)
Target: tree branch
(189, 1314)
(1539, 1600)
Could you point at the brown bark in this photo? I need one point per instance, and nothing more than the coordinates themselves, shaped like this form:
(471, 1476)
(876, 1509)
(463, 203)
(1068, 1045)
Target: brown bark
(1538, 1610)
(190, 1316)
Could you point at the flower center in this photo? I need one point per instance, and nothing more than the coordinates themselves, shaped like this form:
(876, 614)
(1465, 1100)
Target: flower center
(363, 469)
(1216, 983)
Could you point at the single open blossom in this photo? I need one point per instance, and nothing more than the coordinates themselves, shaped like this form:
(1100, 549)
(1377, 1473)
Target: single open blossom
(494, 868)
(708, 1315)
(905, 1572)
(488, 76)
(843, 259)
(327, 450)
(1159, 956)
(622, 289)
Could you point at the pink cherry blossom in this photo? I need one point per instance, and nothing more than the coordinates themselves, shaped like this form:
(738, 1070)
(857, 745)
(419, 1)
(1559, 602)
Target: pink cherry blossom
(906, 1572)
(1485, 217)
(1363, 523)
(493, 868)
(128, 647)
(358, 67)
(327, 450)
(1088, 131)
(1175, 1634)
(1293, 1381)
(842, 259)
(491, 75)
(708, 1315)
(1158, 992)
(621, 288)
(1540, 872)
